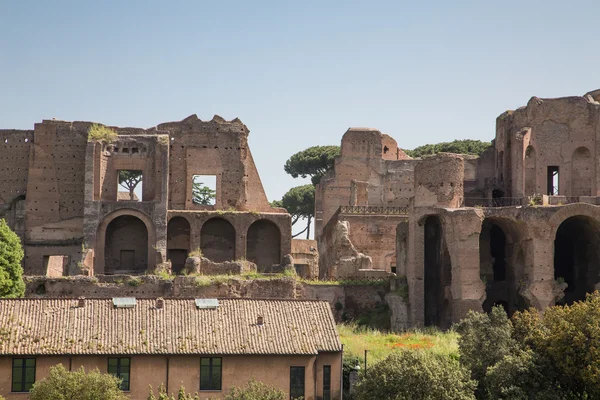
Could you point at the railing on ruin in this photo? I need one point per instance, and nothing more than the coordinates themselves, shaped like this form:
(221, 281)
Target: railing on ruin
(373, 210)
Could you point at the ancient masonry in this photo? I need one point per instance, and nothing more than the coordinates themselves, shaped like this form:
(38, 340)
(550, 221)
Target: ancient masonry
(59, 192)
(518, 226)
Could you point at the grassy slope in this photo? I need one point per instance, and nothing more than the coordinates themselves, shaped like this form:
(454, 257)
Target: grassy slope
(358, 339)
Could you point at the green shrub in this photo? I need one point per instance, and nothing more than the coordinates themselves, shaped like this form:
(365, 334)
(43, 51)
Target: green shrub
(11, 271)
(66, 385)
(101, 133)
(416, 375)
(255, 390)
(484, 340)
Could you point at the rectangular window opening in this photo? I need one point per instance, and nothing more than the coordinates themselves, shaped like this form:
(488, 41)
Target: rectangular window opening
(121, 368)
(204, 190)
(327, 382)
(23, 374)
(210, 373)
(296, 382)
(553, 178)
(130, 185)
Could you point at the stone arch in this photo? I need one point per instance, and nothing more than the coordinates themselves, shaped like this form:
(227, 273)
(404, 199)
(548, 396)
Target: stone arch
(577, 257)
(126, 245)
(100, 264)
(263, 244)
(217, 240)
(530, 171)
(582, 172)
(178, 242)
(437, 275)
(502, 264)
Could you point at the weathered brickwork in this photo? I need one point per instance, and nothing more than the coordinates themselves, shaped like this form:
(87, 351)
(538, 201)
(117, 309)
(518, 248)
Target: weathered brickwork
(518, 226)
(59, 191)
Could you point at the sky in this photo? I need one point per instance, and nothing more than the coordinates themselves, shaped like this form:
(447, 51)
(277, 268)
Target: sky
(297, 73)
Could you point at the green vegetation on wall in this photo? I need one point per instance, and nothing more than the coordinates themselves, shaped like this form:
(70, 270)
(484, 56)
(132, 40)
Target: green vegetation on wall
(11, 271)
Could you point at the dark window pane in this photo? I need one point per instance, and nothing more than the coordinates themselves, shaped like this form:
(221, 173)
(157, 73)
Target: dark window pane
(205, 361)
(296, 382)
(30, 362)
(125, 362)
(216, 361)
(327, 382)
(23, 374)
(18, 362)
(17, 387)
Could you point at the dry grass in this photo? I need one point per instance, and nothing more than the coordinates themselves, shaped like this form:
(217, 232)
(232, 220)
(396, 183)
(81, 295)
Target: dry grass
(357, 339)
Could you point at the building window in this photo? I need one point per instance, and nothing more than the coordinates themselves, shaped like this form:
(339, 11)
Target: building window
(120, 367)
(23, 374)
(296, 382)
(210, 373)
(327, 382)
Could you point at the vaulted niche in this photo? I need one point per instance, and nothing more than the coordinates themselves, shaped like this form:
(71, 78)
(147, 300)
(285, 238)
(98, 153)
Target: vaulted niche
(577, 257)
(178, 242)
(438, 276)
(217, 240)
(501, 265)
(263, 245)
(126, 246)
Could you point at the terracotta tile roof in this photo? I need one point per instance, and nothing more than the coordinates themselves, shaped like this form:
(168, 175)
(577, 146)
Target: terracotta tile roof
(59, 326)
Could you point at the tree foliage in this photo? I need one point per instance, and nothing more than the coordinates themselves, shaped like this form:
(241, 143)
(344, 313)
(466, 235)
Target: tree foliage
(314, 162)
(202, 194)
(299, 201)
(254, 390)
(129, 180)
(416, 375)
(465, 146)
(163, 395)
(551, 356)
(11, 271)
(66, 385)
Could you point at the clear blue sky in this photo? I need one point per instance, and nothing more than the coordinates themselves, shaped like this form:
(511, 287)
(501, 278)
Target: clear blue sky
(297, 73)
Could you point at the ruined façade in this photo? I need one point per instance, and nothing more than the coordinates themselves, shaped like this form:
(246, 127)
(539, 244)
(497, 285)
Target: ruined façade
(518, 226)
(59, 192)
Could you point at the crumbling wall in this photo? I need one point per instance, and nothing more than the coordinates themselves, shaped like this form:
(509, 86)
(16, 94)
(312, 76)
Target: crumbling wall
(337, 255)
(15, 147)
(219, 148)
(562, 132)
(439, 181)
(306, 257)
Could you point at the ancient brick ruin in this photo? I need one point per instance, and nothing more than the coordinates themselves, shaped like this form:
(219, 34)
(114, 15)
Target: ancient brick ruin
(59, 192)
(518, 226)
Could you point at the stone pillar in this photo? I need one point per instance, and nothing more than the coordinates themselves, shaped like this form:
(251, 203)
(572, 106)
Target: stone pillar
(461, 231)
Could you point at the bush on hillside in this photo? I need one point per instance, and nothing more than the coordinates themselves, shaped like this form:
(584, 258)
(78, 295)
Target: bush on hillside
(416, 375)
(11, 271)
(484, 340)
(255, 390)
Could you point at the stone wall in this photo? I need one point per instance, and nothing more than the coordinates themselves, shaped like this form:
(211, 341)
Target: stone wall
(347, 301)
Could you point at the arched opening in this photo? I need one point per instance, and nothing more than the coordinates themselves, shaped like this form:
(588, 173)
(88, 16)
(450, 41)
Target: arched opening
(178, 242)
(530, 172)
(501, 265)
(264, 244)
(126, 246)
(577, 257)
(438, 275)
(582, 172)
(217, 240)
